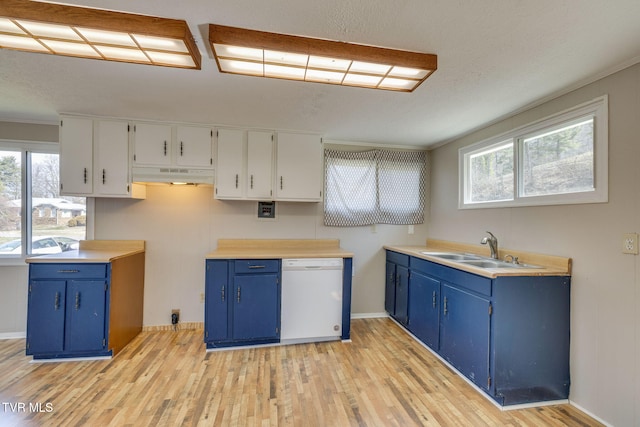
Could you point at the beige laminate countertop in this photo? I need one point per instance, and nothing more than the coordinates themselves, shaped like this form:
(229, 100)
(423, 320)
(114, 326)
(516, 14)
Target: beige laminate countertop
(550, 265)
(278, 248)
(94, 251)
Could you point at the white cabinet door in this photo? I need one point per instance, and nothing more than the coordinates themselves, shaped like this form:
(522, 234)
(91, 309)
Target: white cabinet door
(76, 156)
(152, 144)
(259, 165)
(111, 157)
(230, 160)
(299, 167)
(194, 147)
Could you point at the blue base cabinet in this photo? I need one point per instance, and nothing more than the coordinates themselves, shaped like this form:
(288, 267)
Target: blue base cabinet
(397, 287)
(508, 335)
(67, 310)
(242, 302)
(424, 307)
(464, 333)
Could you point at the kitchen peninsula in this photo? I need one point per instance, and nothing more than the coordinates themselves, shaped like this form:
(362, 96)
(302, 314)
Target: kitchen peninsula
(85, 303)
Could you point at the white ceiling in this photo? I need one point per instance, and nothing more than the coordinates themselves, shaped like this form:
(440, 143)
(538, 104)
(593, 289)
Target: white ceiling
(494, 57)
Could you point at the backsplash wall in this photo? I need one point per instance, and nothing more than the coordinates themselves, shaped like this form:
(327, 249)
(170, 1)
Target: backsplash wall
(181, 224)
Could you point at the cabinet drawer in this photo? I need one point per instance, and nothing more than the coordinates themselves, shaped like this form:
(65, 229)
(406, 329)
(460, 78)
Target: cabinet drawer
(397, 258)
(67, 271)
(257, 266)
(461, 279)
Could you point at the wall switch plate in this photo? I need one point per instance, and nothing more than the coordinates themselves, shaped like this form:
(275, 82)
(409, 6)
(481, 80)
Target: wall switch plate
(630, 243)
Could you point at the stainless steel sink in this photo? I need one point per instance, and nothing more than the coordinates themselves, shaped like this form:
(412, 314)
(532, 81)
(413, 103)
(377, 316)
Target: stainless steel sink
(453, 256)
(476, 260)
(496, 264)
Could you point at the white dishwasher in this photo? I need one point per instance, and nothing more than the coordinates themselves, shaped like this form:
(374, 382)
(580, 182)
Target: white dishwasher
(311, 308)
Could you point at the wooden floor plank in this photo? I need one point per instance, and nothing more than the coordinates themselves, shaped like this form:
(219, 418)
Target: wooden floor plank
(165, 378)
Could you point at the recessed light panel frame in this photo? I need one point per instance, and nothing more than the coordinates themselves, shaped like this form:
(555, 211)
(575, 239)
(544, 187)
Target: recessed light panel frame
(263, 54)
(59, 29)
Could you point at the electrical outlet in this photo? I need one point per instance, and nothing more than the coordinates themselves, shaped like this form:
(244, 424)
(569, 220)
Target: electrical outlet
(411, 229)
(175, 316)
(202, 297)
(630, 244)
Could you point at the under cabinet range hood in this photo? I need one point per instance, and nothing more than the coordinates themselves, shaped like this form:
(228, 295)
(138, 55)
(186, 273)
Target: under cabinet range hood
(172, 175)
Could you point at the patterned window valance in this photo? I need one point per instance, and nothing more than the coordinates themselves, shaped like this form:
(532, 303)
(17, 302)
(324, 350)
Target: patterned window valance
(374, 187)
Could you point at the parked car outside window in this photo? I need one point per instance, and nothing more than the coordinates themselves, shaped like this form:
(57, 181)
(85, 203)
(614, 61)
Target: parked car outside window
(41, 245)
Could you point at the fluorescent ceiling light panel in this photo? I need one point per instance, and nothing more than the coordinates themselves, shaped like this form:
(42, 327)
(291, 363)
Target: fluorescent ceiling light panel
(59, 29)
(21, 43)
(258, 53)
(71, 49)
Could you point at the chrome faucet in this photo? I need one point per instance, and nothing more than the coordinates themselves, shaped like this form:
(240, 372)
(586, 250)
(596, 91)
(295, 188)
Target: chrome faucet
(493, 244)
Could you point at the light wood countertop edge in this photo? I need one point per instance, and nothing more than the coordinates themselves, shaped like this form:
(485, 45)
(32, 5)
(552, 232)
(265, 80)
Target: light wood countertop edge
(94, 251)
(552, 265)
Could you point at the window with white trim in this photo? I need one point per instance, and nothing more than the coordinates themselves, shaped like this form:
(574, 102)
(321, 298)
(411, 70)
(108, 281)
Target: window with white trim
(562, 159)
(34, 218)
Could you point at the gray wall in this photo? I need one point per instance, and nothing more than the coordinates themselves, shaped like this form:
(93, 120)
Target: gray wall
(605, 296)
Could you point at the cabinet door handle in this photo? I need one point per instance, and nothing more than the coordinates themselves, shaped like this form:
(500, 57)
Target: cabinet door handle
(77, 300)
(252, 182)
(256, 266)
(434, 299)
(181, 148)
(236, 180)
(281, 182)
(104, 176)
(222, 292)
(85, 175)
(56, 302)
(68, 271)
(165, 148)
(446, 309)
(238, 293)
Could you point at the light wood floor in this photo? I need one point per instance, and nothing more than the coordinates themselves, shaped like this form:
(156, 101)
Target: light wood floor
(382, 378)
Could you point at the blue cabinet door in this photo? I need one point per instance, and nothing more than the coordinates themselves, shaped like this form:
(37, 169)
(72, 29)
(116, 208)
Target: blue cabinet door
(45, 323)
(390, 289)
(402, 294)
(85, 315)
(424, 309)
(464, 333)
(217, 297)
(256, 308)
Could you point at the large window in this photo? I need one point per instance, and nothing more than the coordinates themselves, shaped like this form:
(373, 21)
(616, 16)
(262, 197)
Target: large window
(34, 218)
(559, 160)
(374, 187)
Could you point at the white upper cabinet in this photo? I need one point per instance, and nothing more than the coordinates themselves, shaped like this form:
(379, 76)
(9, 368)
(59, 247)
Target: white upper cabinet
(193, 146)
(76, 156)
(152, 144)
(259, 178)
(163, 145)
(111, 157)
(299, 161)
(230, 171)
(94, 158)
(245, 165)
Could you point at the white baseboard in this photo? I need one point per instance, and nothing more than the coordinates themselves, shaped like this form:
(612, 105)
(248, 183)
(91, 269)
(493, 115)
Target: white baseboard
(12, 335)
(595, 417)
